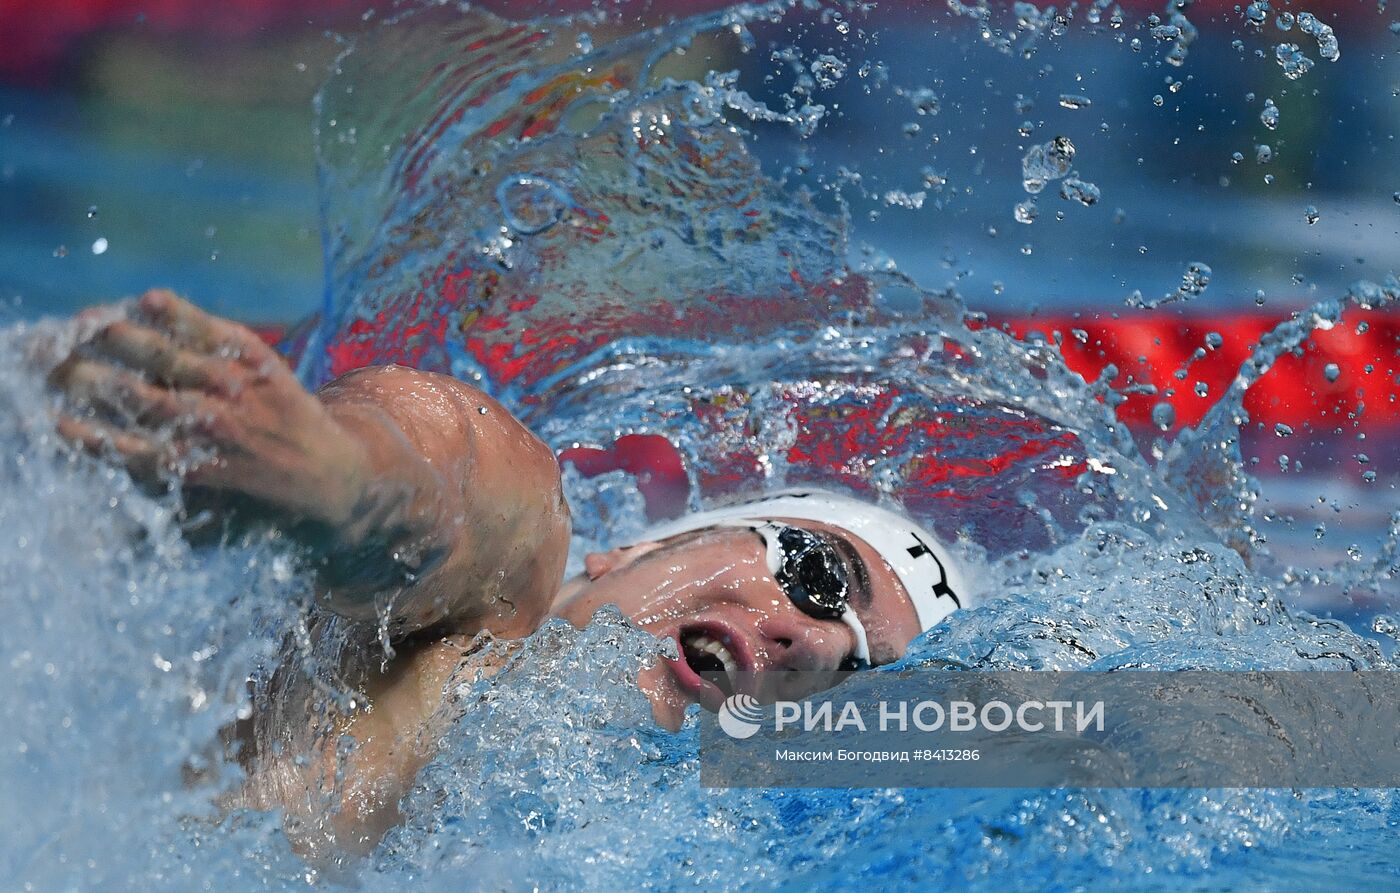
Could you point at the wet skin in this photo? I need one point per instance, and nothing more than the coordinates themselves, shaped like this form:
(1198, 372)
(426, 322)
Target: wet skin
(417, 484)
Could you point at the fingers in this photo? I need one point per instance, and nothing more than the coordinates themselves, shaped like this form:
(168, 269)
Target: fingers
(192, 328)
(156, 354)
(127, 395)
(143, 455)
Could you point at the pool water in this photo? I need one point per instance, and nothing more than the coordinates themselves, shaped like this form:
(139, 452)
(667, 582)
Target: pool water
(575, 214)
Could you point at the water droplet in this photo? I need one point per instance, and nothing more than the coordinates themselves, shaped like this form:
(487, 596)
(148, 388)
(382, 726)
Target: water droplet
(92, 212)
(1263, 153)
(1237, 157)
(61, 251)
(1158, 100)
(1075, 101)
(925, 101)
(1282, 430)
(828, 70)
(1327, 46)
(1202, 389)
(1284, 21)
(1310, 214)
(1025, 212)
(1331, 372)
(1163, 416)
(1269, 116)
(1045, 162)
(1027, 249)
(1082, 191)
(1292, 61)
(99, 246)
(1195, 279)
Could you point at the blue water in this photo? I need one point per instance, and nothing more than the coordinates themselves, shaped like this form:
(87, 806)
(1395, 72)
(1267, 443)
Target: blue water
(127, 649)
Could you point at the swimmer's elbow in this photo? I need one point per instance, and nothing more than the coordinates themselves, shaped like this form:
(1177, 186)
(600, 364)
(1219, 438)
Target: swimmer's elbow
(459, 479)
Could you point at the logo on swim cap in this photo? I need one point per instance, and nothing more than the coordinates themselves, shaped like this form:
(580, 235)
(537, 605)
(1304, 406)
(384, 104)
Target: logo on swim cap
(740, 716)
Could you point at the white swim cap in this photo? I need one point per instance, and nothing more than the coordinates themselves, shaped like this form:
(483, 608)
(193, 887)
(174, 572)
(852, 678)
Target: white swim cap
(922, 563)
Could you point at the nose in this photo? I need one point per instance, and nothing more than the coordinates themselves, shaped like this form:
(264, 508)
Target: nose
(797, 642)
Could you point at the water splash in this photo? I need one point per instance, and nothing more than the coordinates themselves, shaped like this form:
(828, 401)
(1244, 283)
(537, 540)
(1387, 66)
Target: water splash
(618, 186)
(1206, 461)
(1194, 282)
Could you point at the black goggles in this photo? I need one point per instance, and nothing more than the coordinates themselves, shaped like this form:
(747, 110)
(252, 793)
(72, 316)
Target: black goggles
(810, 571)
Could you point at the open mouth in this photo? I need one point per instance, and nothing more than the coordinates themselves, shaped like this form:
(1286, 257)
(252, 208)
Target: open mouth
(709, 659)
(712, 662)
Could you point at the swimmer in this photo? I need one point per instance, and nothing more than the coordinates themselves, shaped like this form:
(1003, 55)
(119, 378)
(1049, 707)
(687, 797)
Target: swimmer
(429, 512)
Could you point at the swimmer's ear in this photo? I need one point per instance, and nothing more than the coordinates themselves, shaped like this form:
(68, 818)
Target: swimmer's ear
(597, 564)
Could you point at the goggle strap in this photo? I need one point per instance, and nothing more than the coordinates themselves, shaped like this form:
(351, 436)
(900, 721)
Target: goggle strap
(849, 618)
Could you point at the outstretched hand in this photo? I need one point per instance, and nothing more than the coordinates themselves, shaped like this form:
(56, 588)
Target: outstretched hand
(172, 391)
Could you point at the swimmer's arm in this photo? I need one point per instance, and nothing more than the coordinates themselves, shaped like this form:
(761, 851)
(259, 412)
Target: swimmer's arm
(395, 736)
(416, 492)
(461, 502)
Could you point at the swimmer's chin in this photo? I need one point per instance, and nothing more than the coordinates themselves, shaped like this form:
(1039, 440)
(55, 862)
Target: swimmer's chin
(668, 701)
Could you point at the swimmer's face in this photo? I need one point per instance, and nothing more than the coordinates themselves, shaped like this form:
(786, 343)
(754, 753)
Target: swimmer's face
(714, 586)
